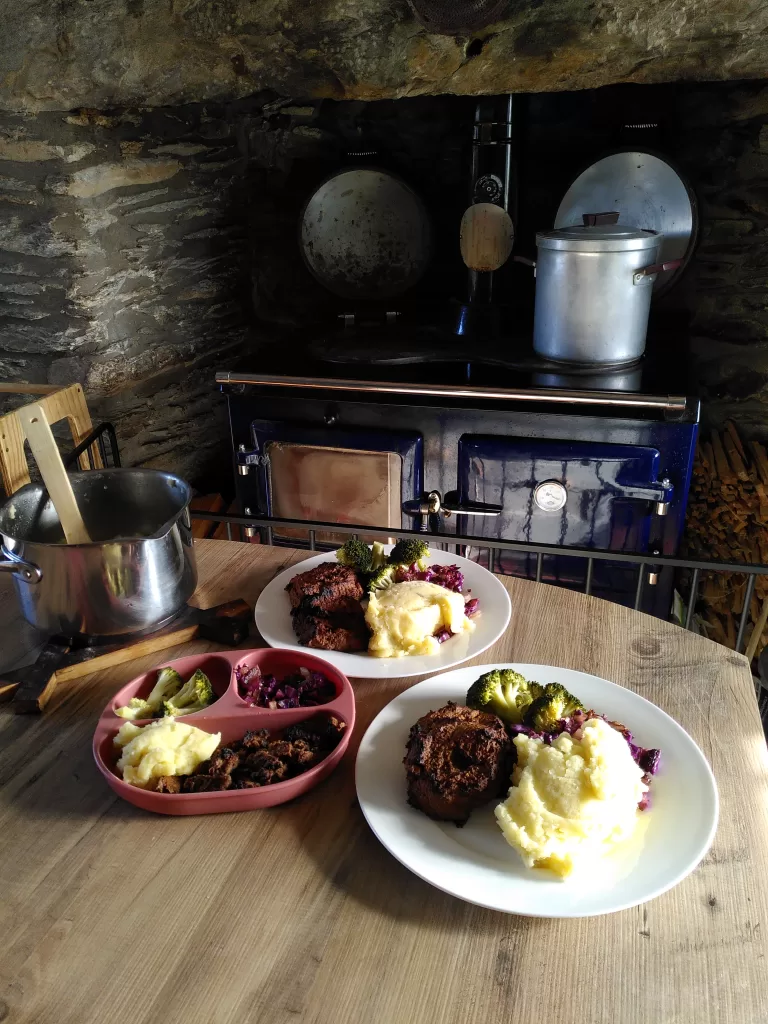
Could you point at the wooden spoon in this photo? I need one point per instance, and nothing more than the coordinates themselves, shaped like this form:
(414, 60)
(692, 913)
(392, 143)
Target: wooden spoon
(38, 432)
(486, 237)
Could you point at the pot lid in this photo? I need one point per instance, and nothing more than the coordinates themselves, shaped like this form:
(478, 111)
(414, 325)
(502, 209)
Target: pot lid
(365, 234)
(598, 237)
(648, 193)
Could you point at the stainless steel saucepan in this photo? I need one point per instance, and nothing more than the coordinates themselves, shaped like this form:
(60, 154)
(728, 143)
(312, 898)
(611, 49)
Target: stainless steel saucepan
(136, 573)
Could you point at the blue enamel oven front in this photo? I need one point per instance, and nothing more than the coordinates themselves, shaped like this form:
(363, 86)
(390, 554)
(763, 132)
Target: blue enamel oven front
(625, 476)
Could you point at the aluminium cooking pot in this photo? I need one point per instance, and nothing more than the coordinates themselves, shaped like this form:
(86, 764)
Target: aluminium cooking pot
(136, 573)
(593, 291)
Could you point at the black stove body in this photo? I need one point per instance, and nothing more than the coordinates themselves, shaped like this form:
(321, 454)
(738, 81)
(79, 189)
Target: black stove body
(515, 451)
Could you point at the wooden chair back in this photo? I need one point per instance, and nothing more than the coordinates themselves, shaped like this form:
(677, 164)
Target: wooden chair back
(59, 404)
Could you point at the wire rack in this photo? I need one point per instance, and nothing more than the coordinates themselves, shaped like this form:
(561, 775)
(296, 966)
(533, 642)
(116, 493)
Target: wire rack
(248, 526)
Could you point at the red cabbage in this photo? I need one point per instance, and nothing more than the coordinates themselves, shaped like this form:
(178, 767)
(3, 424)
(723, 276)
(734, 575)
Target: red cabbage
(449, 576)
(302, 689)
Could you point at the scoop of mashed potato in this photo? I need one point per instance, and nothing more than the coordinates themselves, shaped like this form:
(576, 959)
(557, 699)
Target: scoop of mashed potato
(164, 747)
(404, 618)
(573, 800)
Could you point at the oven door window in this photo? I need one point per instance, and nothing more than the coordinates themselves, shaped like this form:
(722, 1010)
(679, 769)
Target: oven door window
(336, 485)
(331, 474)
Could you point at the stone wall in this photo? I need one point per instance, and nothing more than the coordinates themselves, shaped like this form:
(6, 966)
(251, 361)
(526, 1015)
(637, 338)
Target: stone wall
(59, 54)
(123, 265)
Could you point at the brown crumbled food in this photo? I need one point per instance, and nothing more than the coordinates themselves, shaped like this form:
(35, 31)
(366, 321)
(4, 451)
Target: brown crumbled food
(169, 784)
(261, 760)
(456, 759)
(267, 769)
(206, 783)
(224, 761)
(326, 609)
(255, 739)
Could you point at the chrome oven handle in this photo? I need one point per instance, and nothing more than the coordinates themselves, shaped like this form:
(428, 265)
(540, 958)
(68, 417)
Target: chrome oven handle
(435, 505)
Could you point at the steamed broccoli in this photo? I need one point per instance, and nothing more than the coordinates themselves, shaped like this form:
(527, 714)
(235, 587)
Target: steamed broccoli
(378, 555)
(410, 552)
(553, 704)
(356, 554)
(382, 578)
(168, 684)
(503, 692)
(196, 694)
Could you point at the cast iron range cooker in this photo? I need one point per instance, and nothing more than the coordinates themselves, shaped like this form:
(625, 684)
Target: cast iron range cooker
(598, 461)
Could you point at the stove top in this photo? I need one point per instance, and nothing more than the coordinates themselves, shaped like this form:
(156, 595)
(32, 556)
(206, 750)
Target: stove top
(418, 356)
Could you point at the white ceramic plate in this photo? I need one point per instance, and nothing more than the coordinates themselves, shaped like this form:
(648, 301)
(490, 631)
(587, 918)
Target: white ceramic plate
(273, 620)
(476, 864)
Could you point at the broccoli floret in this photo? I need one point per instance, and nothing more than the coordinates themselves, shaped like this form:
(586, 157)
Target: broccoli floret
(168, 684)
(554, 704)
(382, 578)
(503, 692)
(378, 555)
(196, 694)
(356, 554)
(410, 552)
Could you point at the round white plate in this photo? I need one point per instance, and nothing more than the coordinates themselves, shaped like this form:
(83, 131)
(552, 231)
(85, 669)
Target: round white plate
(476, 864)
(273, 620)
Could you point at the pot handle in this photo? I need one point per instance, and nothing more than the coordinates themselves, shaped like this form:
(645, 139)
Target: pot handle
(655, 268)
(28, 571)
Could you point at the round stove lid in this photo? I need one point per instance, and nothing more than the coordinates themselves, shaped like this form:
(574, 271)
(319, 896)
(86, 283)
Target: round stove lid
(647, 193)
(365, 234)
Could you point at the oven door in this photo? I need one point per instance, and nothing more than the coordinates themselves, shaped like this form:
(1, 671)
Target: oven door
(302, 471)
(579, 494)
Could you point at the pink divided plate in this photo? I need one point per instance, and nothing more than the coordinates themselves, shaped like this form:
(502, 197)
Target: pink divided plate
(232, 717)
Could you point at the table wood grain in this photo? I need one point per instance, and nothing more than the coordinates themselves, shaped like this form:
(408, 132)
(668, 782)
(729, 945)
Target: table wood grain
(298, 914)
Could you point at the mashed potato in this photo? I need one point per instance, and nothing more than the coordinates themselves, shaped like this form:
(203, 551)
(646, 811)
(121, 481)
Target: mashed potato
(404, 618)
(572, 801)
(164, 747)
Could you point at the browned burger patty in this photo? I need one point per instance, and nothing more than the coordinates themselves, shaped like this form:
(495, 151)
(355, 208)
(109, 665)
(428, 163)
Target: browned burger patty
(323, 588)
(326, 610)
(456, 759)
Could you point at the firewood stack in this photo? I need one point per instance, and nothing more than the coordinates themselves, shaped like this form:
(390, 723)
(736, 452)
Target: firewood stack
(728, 521)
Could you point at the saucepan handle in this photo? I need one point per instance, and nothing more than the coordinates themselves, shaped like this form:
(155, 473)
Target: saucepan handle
(656, 268)
(28, 571)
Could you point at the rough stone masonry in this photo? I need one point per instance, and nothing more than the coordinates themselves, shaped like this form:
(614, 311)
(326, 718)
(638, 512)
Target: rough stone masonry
(60, 54)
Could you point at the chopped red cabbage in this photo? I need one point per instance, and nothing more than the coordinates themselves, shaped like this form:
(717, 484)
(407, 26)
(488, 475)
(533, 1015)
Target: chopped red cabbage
(449, 576)
(302, 689)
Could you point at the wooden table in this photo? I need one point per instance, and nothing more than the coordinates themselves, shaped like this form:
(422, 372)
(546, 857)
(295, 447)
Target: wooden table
(298, 914)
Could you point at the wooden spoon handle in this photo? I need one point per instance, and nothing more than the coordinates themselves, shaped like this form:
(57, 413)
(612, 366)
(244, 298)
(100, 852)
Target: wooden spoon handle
(38, 432)
(486, 238)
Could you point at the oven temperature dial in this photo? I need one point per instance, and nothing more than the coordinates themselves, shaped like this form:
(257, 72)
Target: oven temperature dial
(550, 496)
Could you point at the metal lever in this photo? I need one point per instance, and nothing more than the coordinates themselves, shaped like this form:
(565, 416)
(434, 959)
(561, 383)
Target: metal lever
(434, 506)
(451, 504)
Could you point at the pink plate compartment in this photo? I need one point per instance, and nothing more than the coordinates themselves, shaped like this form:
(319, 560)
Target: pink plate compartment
(232, 717)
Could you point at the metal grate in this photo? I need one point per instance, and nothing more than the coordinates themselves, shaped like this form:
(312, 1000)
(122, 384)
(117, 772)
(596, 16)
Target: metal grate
(267, 524)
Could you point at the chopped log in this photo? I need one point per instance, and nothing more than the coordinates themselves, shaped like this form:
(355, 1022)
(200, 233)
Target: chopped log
(734, 454)
(724, 470)
(730, 427)
(761, 460)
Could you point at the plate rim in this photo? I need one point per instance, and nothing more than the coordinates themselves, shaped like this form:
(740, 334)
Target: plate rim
(546, 915)
(367, 663)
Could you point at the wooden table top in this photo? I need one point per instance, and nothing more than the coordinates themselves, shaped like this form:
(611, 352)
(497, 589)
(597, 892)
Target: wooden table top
(297, 913)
